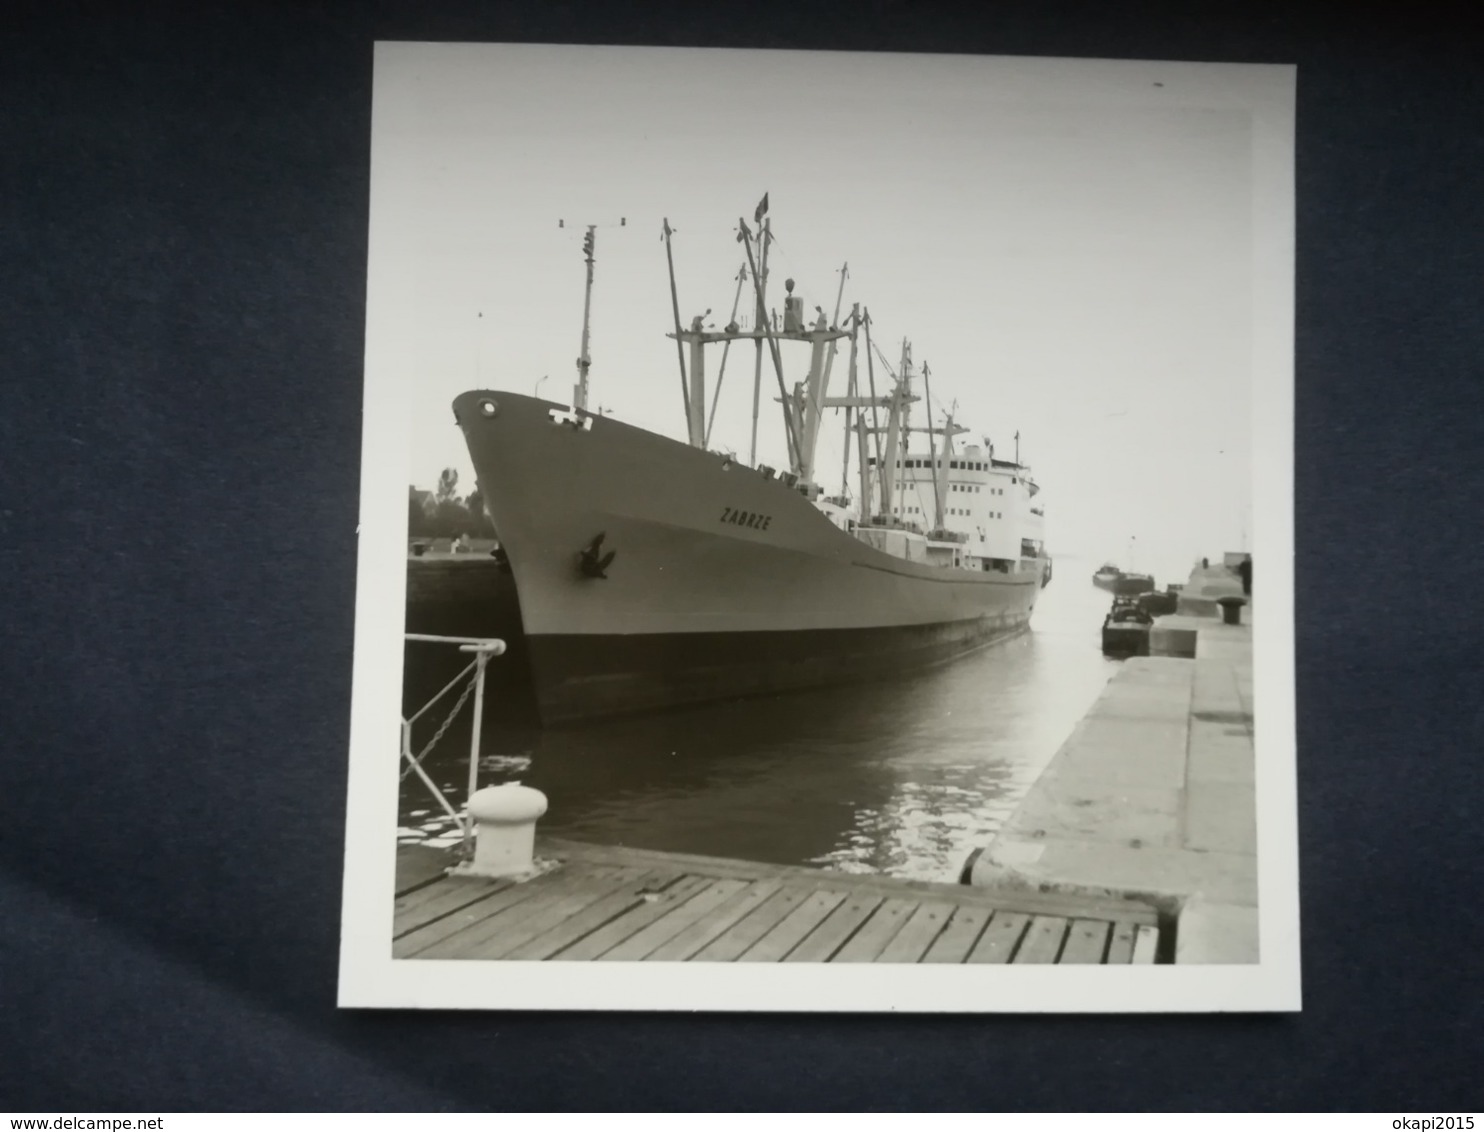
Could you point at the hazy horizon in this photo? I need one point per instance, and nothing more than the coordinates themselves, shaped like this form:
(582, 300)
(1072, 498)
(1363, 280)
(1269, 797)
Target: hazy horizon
(1068, 245)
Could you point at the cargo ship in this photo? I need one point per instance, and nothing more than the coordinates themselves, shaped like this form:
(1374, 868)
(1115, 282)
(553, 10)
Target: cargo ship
(652, 572)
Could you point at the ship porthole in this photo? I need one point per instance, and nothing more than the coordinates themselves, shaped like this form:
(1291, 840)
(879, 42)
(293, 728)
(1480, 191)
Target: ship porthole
(488, 408)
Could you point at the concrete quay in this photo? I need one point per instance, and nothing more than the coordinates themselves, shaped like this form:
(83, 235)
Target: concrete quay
(1152, 795)
(1207, 585)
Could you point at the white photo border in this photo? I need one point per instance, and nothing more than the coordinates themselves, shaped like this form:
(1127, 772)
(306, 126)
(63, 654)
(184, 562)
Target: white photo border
(370, 977)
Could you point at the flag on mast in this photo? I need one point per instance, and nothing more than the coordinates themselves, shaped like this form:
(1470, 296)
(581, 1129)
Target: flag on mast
(762, 208)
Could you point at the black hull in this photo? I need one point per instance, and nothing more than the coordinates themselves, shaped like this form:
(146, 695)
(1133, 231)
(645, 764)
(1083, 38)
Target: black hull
(1131, 585)
(581, 677)
(652, 574)
(1125, 640)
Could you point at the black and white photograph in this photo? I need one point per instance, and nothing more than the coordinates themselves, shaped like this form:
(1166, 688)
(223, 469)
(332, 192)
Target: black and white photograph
(810, 506)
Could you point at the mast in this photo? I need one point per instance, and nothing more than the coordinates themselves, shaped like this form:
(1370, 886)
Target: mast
(933, 451)
(875, 418)
(854, 401)
(851, 390)
(726, 349)
(809, 406)
(793, 440)
(579, 393)
(907, 378)
(760, 318)
(897, 427)
(894, 424)
(860, 423)
(820, 368)
(696, 405)
(675, 306)
(584, 359)
(949, 432)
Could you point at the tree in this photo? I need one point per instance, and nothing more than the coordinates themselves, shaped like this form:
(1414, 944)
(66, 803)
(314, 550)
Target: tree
(448, 485)
(419, 514)
(479, 520)
(414, 514)
(451, 519)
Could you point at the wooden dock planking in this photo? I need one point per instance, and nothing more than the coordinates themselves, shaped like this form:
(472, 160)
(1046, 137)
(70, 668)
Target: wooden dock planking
(590, 919)
(654, 906)
(752, 927)
(418, 865)
(1121, 945)
(959, 937)
(1146, 943)
(476, 919)
(836, 930)
(571, 890)
(1025, 900)
(1000, 939)
(553, 914)
(676, 920)
(791, 930)
(1043, 939)
(435, 900)
(715, 922)
(869, 942)
(1086, 942)
(918, 933)
(629, 905)
(412, 939)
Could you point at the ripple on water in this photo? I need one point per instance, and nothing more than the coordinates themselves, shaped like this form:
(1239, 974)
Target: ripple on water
(903, 777)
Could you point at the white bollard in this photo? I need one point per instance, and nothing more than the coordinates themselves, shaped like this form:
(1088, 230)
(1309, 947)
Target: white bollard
(504, 830)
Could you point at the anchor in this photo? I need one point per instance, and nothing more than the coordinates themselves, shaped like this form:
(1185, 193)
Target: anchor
(593, 563)
(573, 417)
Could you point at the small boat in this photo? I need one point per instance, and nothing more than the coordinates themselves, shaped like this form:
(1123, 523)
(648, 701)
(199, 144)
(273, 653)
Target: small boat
(1131, 585)
(1107, 576)
(1157, 603)
(1126, 629)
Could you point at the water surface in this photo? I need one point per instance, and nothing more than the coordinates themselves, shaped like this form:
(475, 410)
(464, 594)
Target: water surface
(903, 777)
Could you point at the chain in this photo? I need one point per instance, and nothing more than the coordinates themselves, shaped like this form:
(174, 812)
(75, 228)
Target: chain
(446, 724)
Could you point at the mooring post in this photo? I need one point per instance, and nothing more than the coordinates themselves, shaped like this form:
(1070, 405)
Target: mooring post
(505, 820)
(1231, 609)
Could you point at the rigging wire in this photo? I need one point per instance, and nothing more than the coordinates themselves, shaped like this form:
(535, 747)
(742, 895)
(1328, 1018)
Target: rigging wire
(885, 364)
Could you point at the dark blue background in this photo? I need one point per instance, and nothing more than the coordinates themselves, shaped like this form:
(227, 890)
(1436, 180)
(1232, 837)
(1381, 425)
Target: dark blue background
(183, 204)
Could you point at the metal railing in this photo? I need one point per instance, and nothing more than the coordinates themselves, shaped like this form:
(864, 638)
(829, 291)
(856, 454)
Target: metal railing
(482, 649)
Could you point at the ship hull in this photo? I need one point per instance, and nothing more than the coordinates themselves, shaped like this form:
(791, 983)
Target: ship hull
(585, 676)
(1126, 640)
(1131, 585)
(722, 583)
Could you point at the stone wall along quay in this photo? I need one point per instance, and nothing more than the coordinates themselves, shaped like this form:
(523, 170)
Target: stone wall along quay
(1152, 795)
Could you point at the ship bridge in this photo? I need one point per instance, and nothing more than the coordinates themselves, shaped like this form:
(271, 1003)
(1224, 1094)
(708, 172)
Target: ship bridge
(985, 504)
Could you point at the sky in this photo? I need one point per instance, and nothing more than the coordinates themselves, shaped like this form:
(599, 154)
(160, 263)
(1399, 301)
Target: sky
(1067, 244)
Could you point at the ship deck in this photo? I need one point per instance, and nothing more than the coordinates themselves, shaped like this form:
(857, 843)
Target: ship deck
(610, 903)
